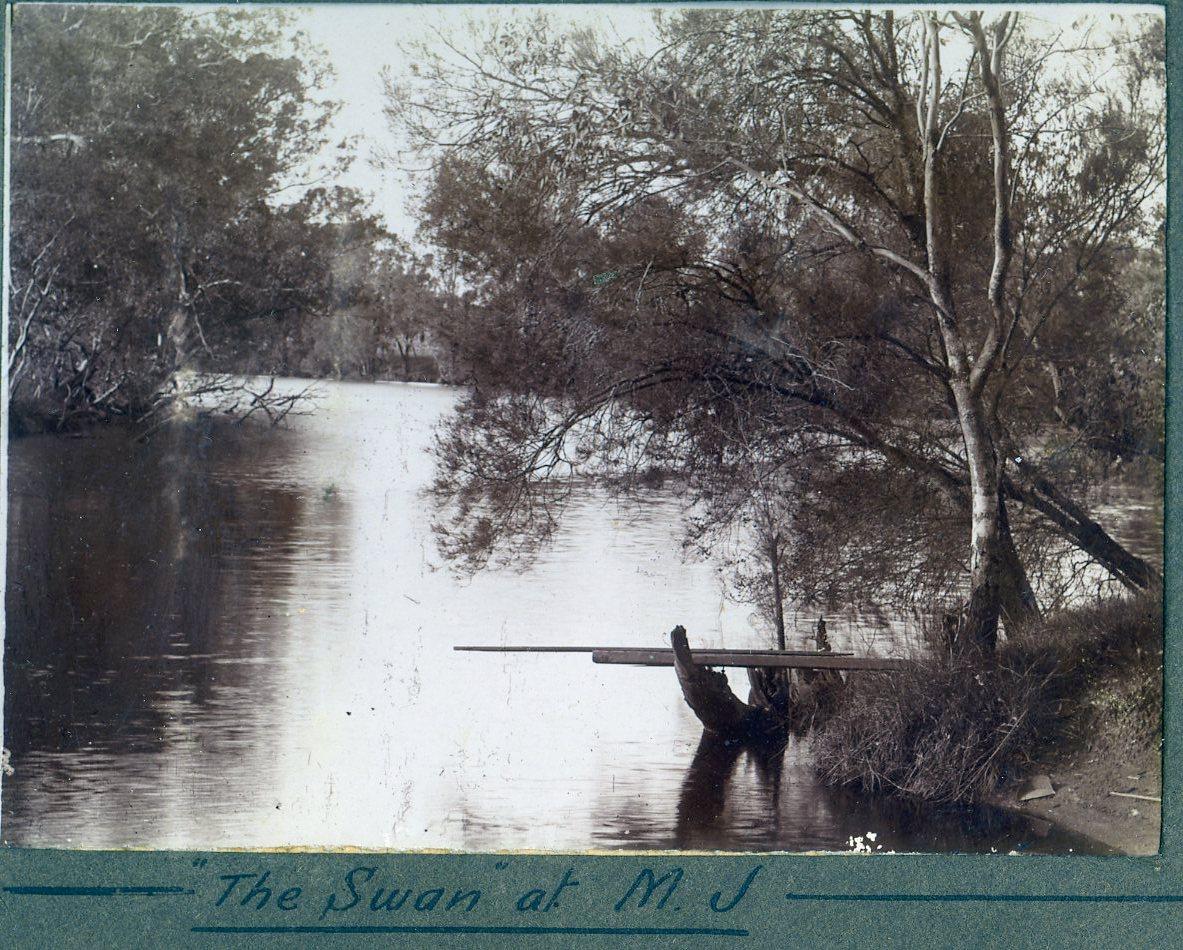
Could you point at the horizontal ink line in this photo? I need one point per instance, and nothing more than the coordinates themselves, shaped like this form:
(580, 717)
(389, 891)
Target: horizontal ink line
(574, 931)
(148, 891)
(999, 898)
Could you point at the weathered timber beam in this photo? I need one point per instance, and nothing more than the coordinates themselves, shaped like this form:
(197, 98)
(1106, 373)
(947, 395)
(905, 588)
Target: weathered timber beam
(663, 650)
(498, 649)
(811, 661)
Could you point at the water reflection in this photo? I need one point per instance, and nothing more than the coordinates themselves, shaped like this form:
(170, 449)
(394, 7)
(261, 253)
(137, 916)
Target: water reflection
(758, 798)
(704, 790)
(139, 622)
(236, 636)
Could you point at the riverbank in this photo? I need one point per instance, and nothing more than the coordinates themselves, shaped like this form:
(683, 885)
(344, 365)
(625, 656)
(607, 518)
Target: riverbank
(45, 415)
(1074, 700)
(1108, 735)
(1084, 781)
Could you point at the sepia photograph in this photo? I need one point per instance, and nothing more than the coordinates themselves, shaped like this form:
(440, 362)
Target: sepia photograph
(585, 428)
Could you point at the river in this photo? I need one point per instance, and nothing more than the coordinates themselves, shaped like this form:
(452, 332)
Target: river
(237, 636)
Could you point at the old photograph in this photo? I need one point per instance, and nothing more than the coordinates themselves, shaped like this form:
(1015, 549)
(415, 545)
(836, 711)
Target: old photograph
(585, 428)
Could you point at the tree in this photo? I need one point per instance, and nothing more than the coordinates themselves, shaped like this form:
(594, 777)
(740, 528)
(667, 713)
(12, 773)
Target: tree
(864, 254)
(405, 304)
(152, 152)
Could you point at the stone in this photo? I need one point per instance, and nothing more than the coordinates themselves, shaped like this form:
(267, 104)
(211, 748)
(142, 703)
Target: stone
(1039, 786)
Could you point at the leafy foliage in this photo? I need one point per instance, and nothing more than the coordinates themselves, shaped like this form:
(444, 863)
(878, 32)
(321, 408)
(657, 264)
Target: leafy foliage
(702, 258)
(166, 213)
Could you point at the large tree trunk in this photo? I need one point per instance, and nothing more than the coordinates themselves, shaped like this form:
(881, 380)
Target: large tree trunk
(984, 608)
(967, 376)
(1033, 491)
(1075, 523)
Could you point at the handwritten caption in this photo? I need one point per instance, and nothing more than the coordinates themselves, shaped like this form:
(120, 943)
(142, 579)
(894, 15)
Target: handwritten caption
(366, 890)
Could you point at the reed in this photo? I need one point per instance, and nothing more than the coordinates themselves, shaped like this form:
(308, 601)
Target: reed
(954, 729)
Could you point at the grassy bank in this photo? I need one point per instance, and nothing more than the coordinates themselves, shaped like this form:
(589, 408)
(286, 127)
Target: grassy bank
(1077, 692)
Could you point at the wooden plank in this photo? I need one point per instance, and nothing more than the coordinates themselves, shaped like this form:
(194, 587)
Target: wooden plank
(488, 649)
(669, 650)
(774, 658)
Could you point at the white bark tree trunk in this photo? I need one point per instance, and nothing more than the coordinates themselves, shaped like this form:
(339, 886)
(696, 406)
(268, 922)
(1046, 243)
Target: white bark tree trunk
(968, 377)
(984, 606)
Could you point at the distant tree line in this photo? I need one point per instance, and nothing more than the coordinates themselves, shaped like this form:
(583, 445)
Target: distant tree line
(166, 217)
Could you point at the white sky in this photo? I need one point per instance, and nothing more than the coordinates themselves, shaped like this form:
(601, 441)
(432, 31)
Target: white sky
(362, 39)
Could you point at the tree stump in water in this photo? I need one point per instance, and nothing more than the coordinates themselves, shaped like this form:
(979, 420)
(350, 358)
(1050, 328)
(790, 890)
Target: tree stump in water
(718, 709)
(773, 689)
(823, 686)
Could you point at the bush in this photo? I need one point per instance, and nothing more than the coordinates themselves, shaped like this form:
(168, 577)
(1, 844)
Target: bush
(1124, 711)
(940, 731)
(1109, 635)
(1107, 665)
(953, 729)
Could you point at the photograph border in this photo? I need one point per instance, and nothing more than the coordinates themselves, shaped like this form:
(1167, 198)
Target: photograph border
(622, 899)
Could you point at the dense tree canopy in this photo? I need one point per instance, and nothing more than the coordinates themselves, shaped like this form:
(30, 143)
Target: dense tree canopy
(168, 210)
(905, 268)
(148, 145)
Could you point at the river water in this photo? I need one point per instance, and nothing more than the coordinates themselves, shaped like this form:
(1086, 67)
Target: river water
(242, 637)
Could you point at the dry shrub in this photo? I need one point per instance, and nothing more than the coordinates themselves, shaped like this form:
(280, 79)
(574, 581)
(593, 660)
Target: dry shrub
(1085, 641)
(942, 730)
(953, 729)
(1107, 662)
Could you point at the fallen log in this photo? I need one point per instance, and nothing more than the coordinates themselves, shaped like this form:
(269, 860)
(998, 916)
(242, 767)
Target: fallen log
(773, 689)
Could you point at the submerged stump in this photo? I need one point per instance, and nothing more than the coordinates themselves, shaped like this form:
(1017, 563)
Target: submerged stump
(719, 710)
(779, 699)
